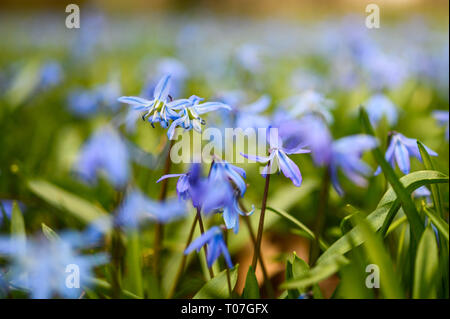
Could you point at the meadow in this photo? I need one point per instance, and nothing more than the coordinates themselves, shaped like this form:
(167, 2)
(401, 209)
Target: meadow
(349, 198)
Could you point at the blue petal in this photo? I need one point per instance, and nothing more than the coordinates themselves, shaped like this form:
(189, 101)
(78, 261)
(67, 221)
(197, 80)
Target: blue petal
(402, 158)
(210, 106)
(198, 243)
(162, 89)
(289, 168)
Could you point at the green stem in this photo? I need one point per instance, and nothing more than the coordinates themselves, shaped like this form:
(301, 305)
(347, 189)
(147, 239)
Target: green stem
(183, 260)
(202, 231)
(267, 282)
(257, 252)
(159, 228)
(320, 217)
(230, 290)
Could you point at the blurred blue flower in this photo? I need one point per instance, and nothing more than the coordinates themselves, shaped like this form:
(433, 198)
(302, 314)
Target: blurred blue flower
(400, 149)
(311, 131)
(156, 110)
(177, 71)
(138, 208)
(189, 113)
(278, 159)
(379, 105)
(346, 154)
(216, 246)
(249, 115)
(422, 191)
(104, 152)
(51, 74)
(42, 266)
(84, 102)
(310, 102)
(442, 118)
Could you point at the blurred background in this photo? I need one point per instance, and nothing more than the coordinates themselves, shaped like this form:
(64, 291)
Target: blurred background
(59, 85)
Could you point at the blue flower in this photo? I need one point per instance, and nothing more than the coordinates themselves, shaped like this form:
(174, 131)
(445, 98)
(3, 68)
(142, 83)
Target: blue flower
(442, 118)
(278, 158)
(400, 149)
(189, 113)
(105, 151)
(225, 186)
(156, 110)
(190, 185)
(310, 102)
(86, 102)
(312, 131)
(249, 117)
(42, 266)
(221, 170)
(50, 74)
(138, 208)
(424, 192)
(380, 105)
(178, 74)
(216, 246)
(346, 155)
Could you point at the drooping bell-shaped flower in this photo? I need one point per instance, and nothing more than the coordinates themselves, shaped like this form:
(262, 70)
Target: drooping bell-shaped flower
(346, 155)
(380, 105)
(400, 149)
(104, 152)
(216, 246)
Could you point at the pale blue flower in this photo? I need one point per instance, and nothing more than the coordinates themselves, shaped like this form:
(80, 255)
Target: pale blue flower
(249, 115)
(278, 158)
(138, 208)
(104, 152)
(190, 185)
(380, 105)
(400, 149)
(346, 155)
(310, 102)
(216, 246)
(42, 266)
(50, 74)
(84, 102)
(156, 110)
(177, 71)
(189, 113)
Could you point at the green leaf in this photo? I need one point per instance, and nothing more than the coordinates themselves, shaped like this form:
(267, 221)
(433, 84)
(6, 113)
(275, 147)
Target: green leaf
(404, 197)
(217, 288)
(17, 222)
(106, 288)
(251, 289)
(49, 233)
(78, 207)
(309, 233)
(318, 273)
(440, 224)
(386, 206)
(133, 259)
(377, 254)
(426, 266)
(333, 258)
(434, 188)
